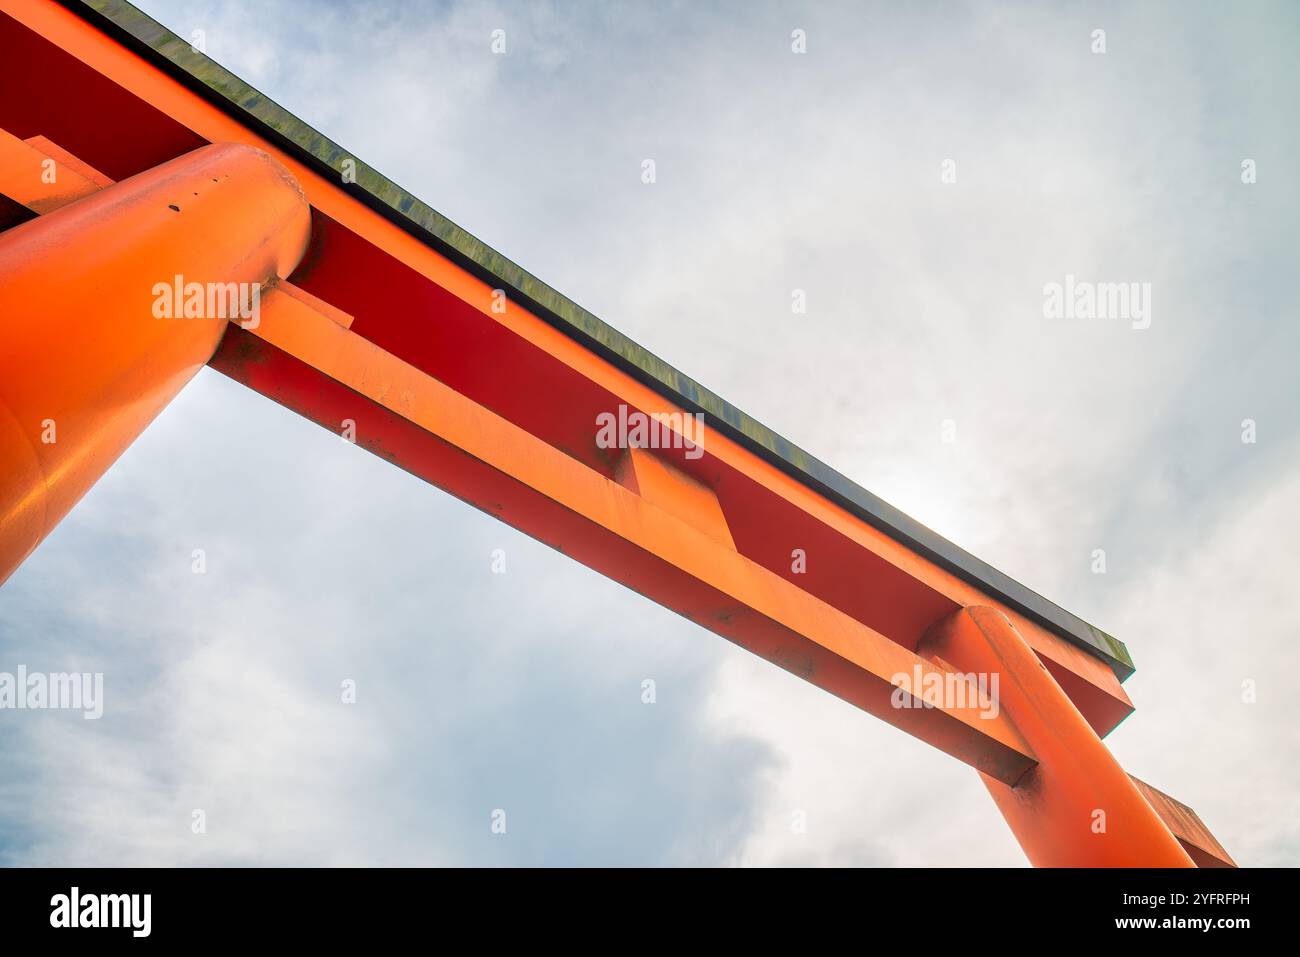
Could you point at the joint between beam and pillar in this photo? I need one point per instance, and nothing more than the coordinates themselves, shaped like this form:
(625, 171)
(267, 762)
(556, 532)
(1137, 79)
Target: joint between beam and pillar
(1076, 807)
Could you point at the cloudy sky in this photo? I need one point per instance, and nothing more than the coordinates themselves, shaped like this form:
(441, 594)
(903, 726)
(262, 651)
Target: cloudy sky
(776, 171)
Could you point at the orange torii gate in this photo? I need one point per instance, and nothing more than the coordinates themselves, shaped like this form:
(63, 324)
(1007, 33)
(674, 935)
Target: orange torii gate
(157, 215)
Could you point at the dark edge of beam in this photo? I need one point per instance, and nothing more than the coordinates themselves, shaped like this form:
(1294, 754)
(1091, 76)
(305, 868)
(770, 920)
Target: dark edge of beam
(159, 46)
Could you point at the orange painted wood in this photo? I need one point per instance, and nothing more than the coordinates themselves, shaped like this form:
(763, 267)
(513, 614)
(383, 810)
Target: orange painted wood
(1076, 807)
(85, 363)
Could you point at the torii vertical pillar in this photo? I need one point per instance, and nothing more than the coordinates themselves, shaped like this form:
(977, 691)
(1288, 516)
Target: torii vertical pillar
(85, 361)
(1076, 807)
